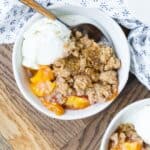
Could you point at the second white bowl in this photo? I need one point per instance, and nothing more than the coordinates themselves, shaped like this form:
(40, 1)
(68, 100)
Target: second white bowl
(124, 116)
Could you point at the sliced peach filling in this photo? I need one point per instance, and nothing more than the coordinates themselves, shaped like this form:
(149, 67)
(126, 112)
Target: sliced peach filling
(54, 107)
(132, 146)
(76, 102)
(42, 75)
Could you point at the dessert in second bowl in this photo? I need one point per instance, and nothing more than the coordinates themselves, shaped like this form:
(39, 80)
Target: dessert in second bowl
(127, 138)
(81, 73)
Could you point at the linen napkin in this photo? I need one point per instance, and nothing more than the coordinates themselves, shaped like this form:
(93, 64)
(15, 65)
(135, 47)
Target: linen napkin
(13, 15)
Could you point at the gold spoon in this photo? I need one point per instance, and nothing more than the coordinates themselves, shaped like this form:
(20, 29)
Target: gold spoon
(85, 28)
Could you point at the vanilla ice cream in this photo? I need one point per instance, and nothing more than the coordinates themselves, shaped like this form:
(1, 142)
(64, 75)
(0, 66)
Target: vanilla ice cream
(44, 43)
(142, 123)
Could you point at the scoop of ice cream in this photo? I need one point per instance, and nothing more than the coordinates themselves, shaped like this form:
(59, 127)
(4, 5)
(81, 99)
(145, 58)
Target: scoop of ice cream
(44, 43)
(142, 124)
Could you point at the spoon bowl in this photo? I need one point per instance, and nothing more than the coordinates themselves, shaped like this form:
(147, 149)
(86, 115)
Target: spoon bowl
(88, 29)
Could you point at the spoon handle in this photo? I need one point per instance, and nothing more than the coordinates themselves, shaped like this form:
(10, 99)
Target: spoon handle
(39, 8)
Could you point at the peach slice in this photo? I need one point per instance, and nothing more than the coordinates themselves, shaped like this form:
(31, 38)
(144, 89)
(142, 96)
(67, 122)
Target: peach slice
(76, 102)
(132, 146)
(54, 107)
(43, 74)
(43, 88)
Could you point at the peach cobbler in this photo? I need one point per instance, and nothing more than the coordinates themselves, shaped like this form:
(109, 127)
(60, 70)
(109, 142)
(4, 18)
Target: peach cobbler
(126, 138)
(86, 75)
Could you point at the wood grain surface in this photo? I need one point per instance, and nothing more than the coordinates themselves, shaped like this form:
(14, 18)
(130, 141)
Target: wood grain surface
(24, 128)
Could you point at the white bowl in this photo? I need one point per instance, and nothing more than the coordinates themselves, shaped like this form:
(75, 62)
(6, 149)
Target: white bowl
(111, 30)
(126, 115)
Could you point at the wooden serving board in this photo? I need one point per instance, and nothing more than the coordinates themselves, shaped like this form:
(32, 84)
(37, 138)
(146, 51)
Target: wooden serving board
(24, 128)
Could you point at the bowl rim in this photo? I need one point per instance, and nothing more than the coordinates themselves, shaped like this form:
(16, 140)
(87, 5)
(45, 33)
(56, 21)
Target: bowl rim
(57, 6)
(115, 119)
